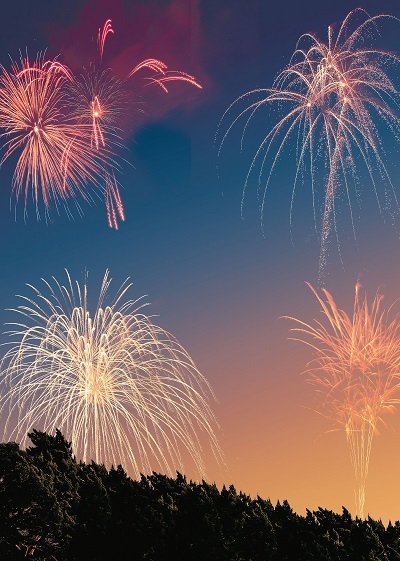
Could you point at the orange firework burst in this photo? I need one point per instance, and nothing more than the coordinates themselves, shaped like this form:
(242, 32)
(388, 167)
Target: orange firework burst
(55, 160)
(330, 99)
(356, 371)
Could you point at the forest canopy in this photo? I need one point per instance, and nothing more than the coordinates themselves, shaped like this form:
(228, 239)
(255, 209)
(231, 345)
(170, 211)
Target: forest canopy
(55, 508)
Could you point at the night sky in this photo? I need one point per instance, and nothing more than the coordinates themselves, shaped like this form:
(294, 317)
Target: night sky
(214, 279)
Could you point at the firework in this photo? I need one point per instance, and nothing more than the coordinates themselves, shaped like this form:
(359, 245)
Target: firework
(67, 129)
(330, 100)
(356, 371)
(55, 161)
(120, 387)
(163, 75)
(103, 102)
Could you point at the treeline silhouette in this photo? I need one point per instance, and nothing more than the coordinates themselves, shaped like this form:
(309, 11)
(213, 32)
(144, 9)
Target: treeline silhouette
(54, 508)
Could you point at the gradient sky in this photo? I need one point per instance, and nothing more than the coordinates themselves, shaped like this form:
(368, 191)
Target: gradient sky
(216, 282)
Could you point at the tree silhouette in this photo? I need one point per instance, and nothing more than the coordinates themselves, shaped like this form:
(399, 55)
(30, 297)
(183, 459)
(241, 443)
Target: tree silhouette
(53, 508)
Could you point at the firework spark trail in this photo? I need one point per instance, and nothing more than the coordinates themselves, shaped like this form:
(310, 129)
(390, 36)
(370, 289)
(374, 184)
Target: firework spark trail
(102, 36)
(120, 387)
(101, 100)
(330, 99)
(55, 160)
(115, 208)
(163, 75)
(356, 371)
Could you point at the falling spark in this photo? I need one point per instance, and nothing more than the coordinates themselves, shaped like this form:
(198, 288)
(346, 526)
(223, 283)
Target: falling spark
(115, 208)
(356, 371)
(330, 100)
(120, 387)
